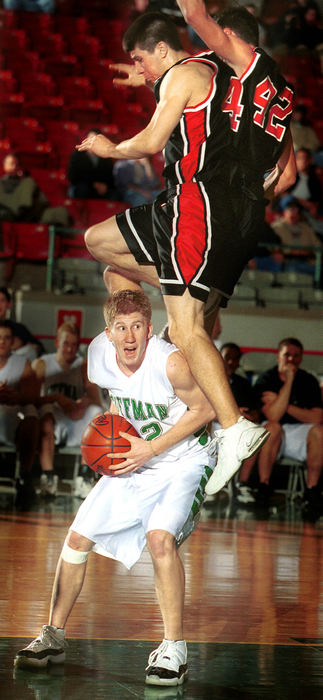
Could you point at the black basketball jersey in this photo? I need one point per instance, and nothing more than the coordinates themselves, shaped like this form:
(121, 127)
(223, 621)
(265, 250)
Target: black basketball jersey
(202, 135)
(259, 106)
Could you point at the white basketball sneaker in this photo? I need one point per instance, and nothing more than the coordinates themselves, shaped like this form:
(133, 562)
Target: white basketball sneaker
(167, 665)
(236, 443)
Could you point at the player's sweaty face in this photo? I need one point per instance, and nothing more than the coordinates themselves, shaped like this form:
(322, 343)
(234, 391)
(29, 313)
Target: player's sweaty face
(147, 64)
(129, 334)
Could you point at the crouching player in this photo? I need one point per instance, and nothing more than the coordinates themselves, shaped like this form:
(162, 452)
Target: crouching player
(157, 494)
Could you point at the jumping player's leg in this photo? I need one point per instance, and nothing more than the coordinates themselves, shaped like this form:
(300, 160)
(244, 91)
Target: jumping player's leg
(240, 438)
(68, 582)
(187, 332)
(106, 243)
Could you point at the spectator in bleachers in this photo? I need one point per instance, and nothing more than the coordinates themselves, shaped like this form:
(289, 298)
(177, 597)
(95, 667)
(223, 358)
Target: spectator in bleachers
(22, 200)
(293, 230)
(311, 33)
(21, 335)
(19, 424)
(307, 188)
(91, 177)
(291, 405)
(268, 258)
(30, 5)
(68, 403)
(303, 134)
(136, 181)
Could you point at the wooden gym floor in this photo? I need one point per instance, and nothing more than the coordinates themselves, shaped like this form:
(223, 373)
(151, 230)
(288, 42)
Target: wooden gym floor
(254, 608)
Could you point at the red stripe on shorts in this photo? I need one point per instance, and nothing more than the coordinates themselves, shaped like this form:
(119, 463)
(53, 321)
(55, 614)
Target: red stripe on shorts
(191, 238)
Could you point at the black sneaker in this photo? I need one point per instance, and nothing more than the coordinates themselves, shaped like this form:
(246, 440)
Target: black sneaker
(25, 493)
(167, 665)
(263, 494)
(312, 500)
(48, 647)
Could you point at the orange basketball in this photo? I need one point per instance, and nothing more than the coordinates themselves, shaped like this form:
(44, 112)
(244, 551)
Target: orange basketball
(101, 437)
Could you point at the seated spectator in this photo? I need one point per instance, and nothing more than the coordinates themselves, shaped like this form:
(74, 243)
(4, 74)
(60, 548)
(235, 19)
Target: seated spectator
(22, 200)
(291, 405)
(311, 33)
(19, 425)
(269, 256)
(246, 399)
(293, 230)
(136, 181)
(68, 403)
(303, 134)
(21, 335)
(307, 188)
(91, 177)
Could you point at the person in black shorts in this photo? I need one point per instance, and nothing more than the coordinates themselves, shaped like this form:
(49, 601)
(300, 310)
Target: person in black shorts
(196, 242)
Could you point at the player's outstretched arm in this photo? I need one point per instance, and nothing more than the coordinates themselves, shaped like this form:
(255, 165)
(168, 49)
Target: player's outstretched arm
(154, 137)
(131, 77)
(236, 54)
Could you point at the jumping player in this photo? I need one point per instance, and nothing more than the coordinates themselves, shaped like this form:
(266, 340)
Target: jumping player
(157, 493)
(258, 105)
(196, 243)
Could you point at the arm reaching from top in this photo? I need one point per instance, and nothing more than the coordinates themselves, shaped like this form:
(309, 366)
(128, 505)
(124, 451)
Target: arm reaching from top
(237, 53)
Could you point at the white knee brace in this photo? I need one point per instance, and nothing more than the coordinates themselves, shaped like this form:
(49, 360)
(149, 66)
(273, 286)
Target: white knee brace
(73, 556)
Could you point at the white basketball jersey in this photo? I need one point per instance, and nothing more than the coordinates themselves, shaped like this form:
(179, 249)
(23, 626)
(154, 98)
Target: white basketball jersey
(146, 398)
(12, 371)
(63, 381)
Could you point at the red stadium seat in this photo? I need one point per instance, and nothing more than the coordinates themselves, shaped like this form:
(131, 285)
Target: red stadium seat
(37, 83)
(32, 241)
(53, 183)
(45, 107)
(8, 82)
(87, 111)
(8, 242)
(41, 155)
(22, 131)
(77, 211)
(98, 210)
(63, 64)
(11, 105)
(49, 43)
(24, 63)
(76, 87)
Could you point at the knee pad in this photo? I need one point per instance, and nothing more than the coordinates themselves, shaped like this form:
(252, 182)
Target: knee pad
(73, 556)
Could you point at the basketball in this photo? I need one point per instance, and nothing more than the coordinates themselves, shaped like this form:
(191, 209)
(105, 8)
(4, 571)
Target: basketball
(101, 437)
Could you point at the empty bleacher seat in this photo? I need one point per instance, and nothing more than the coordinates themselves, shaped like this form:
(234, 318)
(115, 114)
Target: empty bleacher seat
(275, 296)
(257, 278)
(294, 279)
(244, 295)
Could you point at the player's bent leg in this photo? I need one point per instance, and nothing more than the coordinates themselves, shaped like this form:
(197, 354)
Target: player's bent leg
(239, 438)
(106, 243)
(50, 645)
(167, 665)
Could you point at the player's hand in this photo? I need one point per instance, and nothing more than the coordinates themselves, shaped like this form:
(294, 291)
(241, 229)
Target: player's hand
(138, 455)
(131, 78)
(97, 144)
